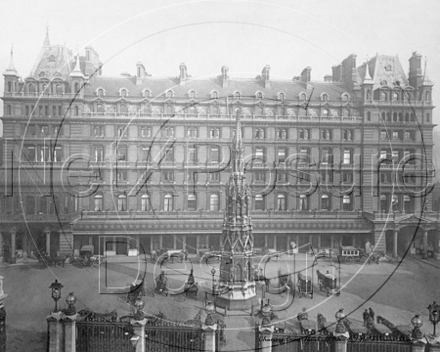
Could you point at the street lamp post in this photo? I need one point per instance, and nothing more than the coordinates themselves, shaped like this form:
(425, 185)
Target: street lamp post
(434, 314)
(56, 293)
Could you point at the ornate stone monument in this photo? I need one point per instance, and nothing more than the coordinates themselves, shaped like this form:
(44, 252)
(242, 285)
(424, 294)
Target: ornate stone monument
(2, 318)
(236, 284)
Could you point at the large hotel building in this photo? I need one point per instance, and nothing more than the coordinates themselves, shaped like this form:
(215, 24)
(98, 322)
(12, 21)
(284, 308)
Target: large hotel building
(139, 161)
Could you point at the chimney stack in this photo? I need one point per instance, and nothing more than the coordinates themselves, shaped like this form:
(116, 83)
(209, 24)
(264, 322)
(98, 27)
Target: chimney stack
(265, 76)
(140, 73)
(306, 77)
(183, 74)
(225, 77)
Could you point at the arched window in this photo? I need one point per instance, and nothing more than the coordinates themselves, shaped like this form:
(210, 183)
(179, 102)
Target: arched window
(169, 94)
(281, 97)
(52, 58)
(9, 87)
(345, 97)
(122, 202)
(145, 202)
(395, 117)
(168, 202)
(237, 95)
(400, 117)
(407, 117)
(368, 95)
(325, 97)
(214, 95)
(303, 204)
(147, 93)
(99, 202)
(324, 112)
(259, 95)
(100, 108)
(169, 110)
(428, 95)
(59, 89)
(100, 92)
(76, 90)
(192, 94)
(124, 93)
(281, 202)
(303, 97)
(259, 202)
(31, 88)
(325, 204)
(213, 202)
(192, 202)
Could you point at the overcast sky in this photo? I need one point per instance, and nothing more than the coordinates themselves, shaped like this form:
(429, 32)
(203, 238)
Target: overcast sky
(244, 35)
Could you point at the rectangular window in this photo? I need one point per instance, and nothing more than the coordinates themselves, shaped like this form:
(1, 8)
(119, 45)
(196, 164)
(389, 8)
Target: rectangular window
(99, 153)
(214, 133)
(214, 177)
(58, 154)
(259, 154)
(383, 154)
(281, 133)
(31, 153)
(327, 156)
(304, 134)
(169, 156)
(383, 135)
(281, 177)
(395, 155)
(192, 157)
(281, 155)
(60, 111)
(304, 155)
(259, 133)
(45, 130)
(347, 156)
(215, 155)
(168, 132)
(395, 135)
(146, 156)
(121, 175)
(168, 176)
(191, 176)
(44, 153)
(122, 154)
(122, 131)
(260, 176)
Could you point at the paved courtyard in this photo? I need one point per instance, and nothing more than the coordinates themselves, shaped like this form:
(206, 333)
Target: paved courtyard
(395, 292)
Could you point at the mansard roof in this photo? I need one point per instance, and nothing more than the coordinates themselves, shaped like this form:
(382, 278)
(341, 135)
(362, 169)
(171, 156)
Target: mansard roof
(204, 87)
(384, 68)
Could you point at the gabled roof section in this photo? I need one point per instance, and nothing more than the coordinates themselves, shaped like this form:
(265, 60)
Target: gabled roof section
(53, 59)
(384, 68)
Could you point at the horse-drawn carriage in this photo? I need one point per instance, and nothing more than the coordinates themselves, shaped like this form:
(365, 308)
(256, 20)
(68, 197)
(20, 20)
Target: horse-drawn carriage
(304, 285)
(327, 282)
(169, 254)
(88, 258)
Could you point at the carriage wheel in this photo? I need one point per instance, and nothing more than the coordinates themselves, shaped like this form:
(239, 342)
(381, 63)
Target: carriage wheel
(349, 259)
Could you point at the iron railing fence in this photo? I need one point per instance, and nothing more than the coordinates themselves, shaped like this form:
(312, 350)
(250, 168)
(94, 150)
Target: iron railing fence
(96, 336)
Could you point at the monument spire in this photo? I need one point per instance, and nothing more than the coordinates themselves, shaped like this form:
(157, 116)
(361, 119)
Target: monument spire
(46, 40)
(237, 147)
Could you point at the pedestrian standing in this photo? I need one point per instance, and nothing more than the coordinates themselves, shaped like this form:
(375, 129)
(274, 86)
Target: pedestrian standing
(371, 313)
(366, 316)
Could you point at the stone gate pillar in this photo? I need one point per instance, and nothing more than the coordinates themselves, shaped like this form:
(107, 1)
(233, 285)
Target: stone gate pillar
(47, 233)
(13, 232)
(425, 244)
(396, 233)
(2, 318)
(139, 334)
(55, 327)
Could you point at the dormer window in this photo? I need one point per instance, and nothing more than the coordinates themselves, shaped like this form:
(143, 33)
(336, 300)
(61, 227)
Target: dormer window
(146, 93)
(303, 97)
(100, 92)
(281, 96)
(52, 58)
(169, 94)
(214, 95)
(259, 95)
(123, 93)
(345, 97)
(192, 94)
(237, 95)
(324, 97)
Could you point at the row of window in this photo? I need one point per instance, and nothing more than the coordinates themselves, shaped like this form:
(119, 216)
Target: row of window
(193, 132)
(192, 94)
(384, 94)
(44, 110)
(43, 130)
(401, 117)
(397, 135)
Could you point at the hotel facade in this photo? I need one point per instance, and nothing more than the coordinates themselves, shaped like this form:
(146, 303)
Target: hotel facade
(139, 162)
